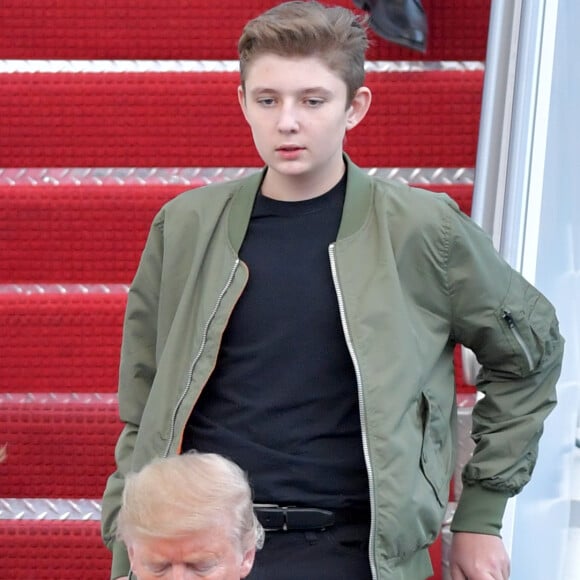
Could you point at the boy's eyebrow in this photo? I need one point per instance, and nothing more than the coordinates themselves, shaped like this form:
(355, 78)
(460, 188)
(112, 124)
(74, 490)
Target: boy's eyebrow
(307, 91)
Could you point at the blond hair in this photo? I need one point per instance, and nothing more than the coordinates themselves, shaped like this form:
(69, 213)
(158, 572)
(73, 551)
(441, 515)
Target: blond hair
(172, 497)
(334, 34)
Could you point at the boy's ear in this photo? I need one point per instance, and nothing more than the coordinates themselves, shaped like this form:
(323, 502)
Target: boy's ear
(359, 107)
(242, 100)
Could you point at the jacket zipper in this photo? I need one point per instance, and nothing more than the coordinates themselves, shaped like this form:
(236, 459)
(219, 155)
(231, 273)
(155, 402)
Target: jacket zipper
(509, 319)
(362, 411)
(196, 358)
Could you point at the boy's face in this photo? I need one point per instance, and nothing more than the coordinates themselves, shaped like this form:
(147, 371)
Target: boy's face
(297, 111)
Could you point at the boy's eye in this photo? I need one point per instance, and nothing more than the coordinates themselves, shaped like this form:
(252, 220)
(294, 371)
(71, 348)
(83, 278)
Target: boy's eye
(314, 102)
(266, 101)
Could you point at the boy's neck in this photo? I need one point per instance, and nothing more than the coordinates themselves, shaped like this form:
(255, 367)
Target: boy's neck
(300, 187)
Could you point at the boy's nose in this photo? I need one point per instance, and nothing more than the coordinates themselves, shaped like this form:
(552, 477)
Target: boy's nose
(288, 120)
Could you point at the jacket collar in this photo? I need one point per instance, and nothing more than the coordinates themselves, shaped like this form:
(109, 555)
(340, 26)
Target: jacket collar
(242, 204)
(356, 203)
(359, 188)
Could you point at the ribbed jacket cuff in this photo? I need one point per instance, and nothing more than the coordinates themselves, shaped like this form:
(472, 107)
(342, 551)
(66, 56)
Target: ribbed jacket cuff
(479, 511)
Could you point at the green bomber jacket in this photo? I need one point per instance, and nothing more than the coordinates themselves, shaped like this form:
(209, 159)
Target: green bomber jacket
(414, 277)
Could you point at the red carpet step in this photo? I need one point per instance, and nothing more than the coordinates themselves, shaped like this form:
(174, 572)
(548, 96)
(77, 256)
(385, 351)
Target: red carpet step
(49, 549)
(62, 445)
(196, 29)
(65, 549)
(192, 119)
(53, 550)
(67, 339)
(92, 234)
(58, 445)
(80, 234)
(60, 338)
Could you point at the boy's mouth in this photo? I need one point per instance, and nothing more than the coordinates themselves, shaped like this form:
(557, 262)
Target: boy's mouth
(289, 148)
(289, 152)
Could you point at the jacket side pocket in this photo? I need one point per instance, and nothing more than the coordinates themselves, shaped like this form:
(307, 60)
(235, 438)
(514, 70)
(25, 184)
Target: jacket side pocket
(437, 452)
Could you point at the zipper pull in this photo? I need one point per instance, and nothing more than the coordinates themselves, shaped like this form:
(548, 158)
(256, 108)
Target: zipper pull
(509, 319)
(507, 316)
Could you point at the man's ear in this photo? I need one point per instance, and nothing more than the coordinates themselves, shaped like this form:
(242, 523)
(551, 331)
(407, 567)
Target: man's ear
(359, 107)
(247, 562)
(131, 553)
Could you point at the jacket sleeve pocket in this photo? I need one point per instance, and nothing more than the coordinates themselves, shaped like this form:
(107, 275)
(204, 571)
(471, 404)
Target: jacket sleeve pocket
(525, 318)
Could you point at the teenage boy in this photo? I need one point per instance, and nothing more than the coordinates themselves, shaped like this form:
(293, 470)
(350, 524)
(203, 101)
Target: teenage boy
(302, 322)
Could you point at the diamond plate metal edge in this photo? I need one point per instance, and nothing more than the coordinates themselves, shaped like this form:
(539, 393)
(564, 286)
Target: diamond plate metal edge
(33, 289)
(162, 66)
(59, 398)
(50, 509)
(187, 176)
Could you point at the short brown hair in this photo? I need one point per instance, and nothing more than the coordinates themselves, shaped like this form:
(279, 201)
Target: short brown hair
(308, 28)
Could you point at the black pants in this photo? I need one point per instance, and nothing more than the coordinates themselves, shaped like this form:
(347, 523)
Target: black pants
(338, 553)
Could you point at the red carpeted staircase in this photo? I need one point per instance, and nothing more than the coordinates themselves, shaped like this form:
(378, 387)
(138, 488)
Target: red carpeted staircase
(107, 110)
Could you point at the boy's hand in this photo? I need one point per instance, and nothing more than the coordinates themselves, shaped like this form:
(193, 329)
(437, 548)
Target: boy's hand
(478, 557)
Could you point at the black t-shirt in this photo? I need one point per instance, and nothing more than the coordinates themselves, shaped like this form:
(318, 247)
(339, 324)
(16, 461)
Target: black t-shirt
(282, 401)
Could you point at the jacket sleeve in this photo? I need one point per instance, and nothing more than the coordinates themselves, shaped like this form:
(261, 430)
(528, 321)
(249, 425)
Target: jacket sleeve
(136, 373)
(513, 331)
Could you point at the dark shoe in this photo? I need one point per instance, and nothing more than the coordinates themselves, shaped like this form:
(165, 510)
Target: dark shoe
(401, 21)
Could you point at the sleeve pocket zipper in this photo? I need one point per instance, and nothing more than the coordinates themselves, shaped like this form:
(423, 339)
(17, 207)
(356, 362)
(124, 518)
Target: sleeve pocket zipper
(509, 319)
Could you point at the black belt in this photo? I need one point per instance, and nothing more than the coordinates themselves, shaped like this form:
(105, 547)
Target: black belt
(276, 518)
